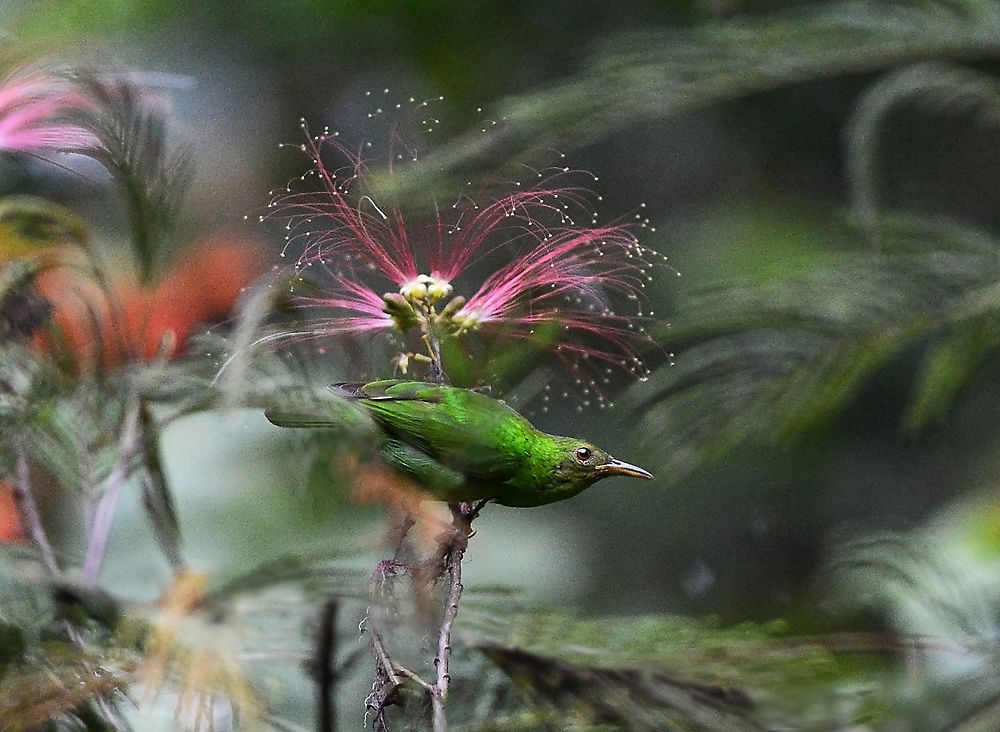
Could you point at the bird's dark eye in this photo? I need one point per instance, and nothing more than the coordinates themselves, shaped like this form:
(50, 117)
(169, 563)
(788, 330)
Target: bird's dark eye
(583, 454)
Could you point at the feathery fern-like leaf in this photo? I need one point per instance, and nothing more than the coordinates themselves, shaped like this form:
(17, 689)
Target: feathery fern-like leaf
(772, 359)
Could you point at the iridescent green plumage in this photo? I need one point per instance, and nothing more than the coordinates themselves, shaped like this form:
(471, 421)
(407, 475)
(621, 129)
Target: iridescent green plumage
(461, 445)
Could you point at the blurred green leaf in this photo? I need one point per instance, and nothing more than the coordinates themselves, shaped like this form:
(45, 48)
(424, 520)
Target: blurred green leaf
(623, 697)
(30, 224)
(671, 672)
(661, 72)
(157, 498)
(947, 371)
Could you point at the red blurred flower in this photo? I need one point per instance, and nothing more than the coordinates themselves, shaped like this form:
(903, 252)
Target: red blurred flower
(136, 321)
(10, 520)
(533, 256)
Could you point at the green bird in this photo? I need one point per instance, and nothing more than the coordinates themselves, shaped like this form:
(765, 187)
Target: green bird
(462, 445)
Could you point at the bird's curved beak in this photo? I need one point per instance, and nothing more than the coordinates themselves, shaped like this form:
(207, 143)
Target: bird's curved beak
(620, 467)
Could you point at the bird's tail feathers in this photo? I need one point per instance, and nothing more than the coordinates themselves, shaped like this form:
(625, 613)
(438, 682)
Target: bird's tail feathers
(282, 418)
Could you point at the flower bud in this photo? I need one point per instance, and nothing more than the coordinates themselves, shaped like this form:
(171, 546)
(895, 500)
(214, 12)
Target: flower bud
(465, 320)
(400, 309)
(402, 362)
(454, 305)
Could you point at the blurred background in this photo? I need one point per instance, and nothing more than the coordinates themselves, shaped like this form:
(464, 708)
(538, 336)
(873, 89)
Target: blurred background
(822, 176)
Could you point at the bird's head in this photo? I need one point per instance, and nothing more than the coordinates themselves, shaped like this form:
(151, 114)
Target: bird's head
(583, 464)
(560, 467)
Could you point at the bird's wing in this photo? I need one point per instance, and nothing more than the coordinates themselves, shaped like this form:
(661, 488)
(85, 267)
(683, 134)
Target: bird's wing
(442, 481)
(463, 430)
(390, 390)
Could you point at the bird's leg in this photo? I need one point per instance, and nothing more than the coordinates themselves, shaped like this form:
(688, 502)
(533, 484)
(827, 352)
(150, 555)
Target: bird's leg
(429, 570)
(461, 525)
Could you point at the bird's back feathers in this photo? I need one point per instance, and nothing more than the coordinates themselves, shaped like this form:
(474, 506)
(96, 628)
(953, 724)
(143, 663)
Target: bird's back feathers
(465, 430)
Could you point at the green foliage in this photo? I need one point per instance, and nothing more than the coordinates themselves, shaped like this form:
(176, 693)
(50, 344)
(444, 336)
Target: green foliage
(655, 73)
(132, 132)
(936, 591)
(46, 675)
(935, 89)
(780, 357)
(668, 672)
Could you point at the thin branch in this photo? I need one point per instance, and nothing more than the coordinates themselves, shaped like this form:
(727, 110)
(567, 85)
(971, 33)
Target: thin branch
(440, 691)
(413, 676)
(386, 680)
(28, 510)
(433, 343)
(129, 441)
(463, 518)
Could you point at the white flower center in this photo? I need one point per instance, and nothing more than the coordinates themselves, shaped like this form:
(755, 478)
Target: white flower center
(426, 288)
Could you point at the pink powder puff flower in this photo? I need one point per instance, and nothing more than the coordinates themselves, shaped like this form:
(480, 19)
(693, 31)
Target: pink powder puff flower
(35, 107)
(518, 262)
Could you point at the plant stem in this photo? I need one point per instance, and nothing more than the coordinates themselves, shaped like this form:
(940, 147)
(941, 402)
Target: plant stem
(433, 343)
(100, 528)
(28, 511)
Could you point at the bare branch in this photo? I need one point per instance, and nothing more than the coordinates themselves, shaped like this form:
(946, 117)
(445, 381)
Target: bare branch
(463, 517)
(129, 441)
(28, 511)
